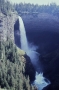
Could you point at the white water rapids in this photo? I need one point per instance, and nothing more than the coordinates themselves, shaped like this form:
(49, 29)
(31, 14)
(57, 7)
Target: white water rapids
(40, 80)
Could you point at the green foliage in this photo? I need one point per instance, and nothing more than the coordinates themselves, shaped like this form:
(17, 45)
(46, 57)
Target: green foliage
(6, 7)
(12, 68)
(28, 8)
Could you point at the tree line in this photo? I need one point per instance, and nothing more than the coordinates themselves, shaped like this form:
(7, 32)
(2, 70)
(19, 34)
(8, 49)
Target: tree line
(6, 7)
(31, 8)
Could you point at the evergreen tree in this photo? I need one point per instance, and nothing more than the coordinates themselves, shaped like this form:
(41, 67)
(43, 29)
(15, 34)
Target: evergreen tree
(12, 68)
(6, 7)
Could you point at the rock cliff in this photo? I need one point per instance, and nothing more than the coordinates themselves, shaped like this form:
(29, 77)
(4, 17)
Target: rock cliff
(7, 26)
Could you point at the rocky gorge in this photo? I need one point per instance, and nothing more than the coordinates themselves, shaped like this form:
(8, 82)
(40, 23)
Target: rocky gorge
(42, 30)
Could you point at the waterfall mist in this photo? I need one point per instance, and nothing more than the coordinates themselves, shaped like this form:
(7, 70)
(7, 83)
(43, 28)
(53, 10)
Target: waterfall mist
(30, 50)
(40, 81)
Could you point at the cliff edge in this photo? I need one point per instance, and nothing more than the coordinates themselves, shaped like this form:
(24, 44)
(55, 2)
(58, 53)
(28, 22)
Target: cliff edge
(7, 25)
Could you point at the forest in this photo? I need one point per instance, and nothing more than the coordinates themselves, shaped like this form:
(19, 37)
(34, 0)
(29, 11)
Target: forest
(12, 68)
(6, 7)
(43, 34)
(37, 9)
(27, 8)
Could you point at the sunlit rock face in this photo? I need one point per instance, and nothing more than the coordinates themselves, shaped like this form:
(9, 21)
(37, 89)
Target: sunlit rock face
(7, 26)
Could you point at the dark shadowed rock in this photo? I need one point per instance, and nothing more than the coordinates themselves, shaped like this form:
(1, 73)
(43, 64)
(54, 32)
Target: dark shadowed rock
(29, 69)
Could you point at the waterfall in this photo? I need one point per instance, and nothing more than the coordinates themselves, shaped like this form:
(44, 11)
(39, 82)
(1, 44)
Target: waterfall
(31, 52)
(24, 42)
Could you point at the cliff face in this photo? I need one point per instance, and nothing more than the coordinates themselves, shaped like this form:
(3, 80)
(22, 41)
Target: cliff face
(7, 26)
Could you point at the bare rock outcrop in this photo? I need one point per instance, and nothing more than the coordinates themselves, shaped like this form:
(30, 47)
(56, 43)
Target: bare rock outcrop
(7, 26)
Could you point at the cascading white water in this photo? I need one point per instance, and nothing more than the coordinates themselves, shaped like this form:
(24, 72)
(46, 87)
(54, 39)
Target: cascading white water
(40, 80)
(29, 49)
(24, 43)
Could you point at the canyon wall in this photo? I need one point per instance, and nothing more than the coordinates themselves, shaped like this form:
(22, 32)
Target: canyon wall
(7, 26)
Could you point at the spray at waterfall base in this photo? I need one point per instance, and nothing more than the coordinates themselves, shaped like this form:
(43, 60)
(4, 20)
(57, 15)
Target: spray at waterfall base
(31, 52)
